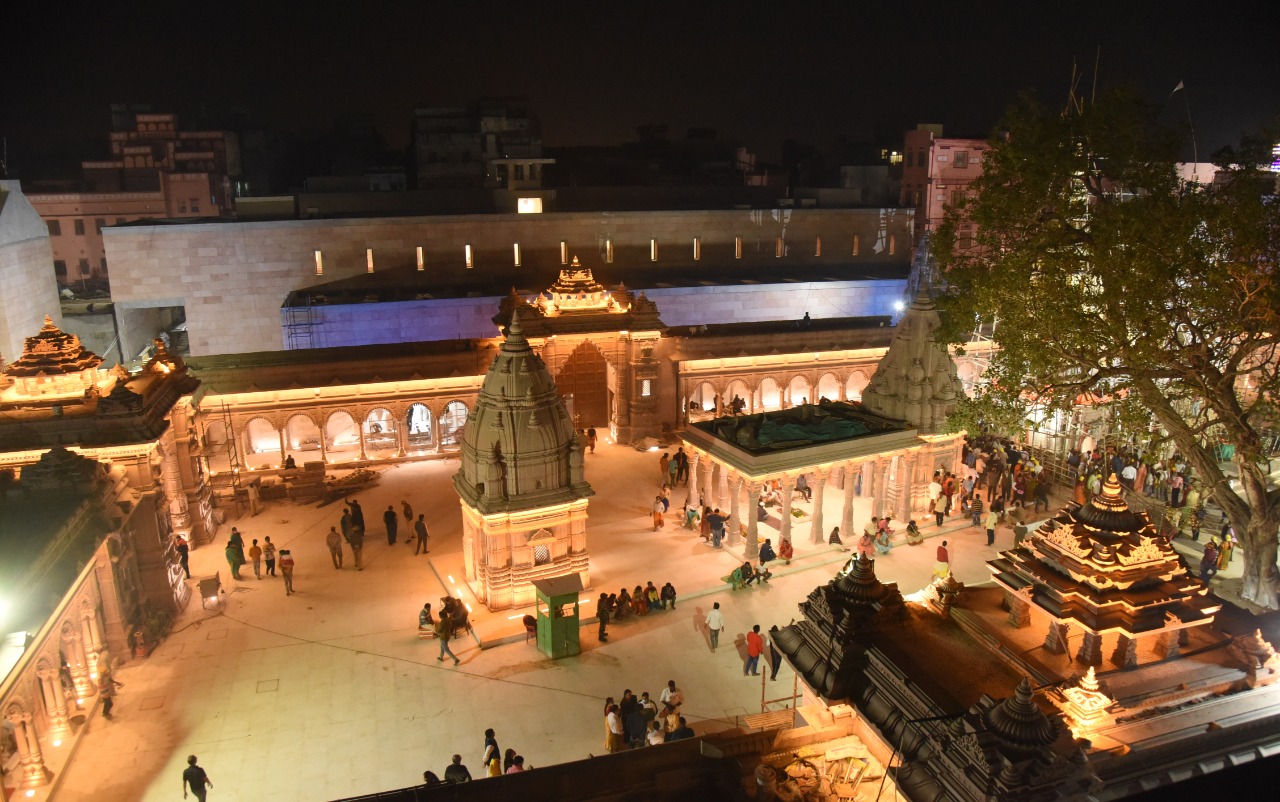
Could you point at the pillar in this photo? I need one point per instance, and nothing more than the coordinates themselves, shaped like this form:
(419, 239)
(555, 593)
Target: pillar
(1055, 641)
(692, 480)
(788, 491)
(91, 653)
(708, 494)
(1019, 609)
(1126, 653)
(324, 453)
(906, 490)
(360, 430)
(1167, 645)
(846, 516)
(400, 436)
(819, 481)
(55, 702)
(1090, 649)
(735, 509)
(877, 487)
(284, 451)
(753, 526)
(722, 488)
(31, 770)
(73, 648)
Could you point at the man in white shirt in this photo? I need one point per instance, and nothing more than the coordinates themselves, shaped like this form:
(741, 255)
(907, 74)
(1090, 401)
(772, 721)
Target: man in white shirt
(617, 739)
(671, 695)
(715, 625)
(935, 490)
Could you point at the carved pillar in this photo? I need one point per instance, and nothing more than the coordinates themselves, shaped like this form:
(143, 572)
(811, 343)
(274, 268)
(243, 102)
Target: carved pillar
(722, 488)
(877, 487)
(1167, 644)
(735, 521)
(284, 451)
(1019, 609)
(1126, 653)
(709, 493)
(819, 487)
(1090, 648)
(31, 770)
(753, 530)
(906, 486)
(73, 650)
(1055, 641)
(324, 452)
(360, 429)
(846, 515)
(693, 479)
(55, 702)
(90, 647)
(400, 437)
(435, 433)
(788, 490)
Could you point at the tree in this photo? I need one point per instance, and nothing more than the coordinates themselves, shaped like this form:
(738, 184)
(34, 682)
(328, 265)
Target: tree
(1111, 276)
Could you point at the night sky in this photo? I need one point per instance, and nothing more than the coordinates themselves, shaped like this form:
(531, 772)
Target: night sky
(755, 72)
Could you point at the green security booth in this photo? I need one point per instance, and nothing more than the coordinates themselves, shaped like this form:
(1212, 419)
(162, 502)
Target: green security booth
(558, 615)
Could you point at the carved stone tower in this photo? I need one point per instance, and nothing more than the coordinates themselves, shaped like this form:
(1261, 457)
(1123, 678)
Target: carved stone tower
(521, 485)
(916, 380)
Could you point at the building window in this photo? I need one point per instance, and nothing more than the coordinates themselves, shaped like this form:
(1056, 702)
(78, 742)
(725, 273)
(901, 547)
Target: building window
(564, 252)
(368, 258)
(646, 388)
(55, 228)
(519, 172)
(817, 246)
(422, 260)
(529, 205)
(319, 264)
(857, 244)
(541, 554)
(737, 247)
(84, 267)
(697, 248)
(653, 250)
(515, 252)
(608, 251)
(79, 228)
(104, 264)
(60, 268)
(98, 223)
(194, 208)
(960, 159)
(119, 221)
(957, 196)
(908, 164)
(470, 261)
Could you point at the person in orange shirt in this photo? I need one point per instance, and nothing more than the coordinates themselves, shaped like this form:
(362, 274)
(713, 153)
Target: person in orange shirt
(755, 647)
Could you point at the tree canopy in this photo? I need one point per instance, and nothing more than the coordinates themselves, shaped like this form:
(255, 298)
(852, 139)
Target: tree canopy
(1110, 275)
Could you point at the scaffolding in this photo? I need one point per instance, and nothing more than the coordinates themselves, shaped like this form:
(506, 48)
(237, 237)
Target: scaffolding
(225, 484)
(300, 320)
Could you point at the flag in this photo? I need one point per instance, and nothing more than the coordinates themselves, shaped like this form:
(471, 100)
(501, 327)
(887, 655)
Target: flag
(1181, 85)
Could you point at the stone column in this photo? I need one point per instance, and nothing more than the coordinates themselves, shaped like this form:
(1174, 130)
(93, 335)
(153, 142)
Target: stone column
(906, 491)
(722, 488)
(360, 430)
(877, 487)
(283, 444)
(55, 702)
(1055, 641)
(437, 445)
(91, 653)
(693, 479)
(735, 508)
(788, 490)
(753, 530)
(31, 770)
(1019, 609)
(1126, 653)
(400, 438)
(76, 662)
(1090, 651)
(324, 453)
(819, 480)
(1167, 644)
(846, 516)
(709, 494)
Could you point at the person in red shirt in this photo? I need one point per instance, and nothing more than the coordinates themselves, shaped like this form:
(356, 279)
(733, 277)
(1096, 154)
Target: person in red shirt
(943, 566)
(755, 647)
(286, 571)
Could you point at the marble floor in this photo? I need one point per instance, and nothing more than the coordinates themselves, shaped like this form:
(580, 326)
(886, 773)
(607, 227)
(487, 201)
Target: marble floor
(328, 693)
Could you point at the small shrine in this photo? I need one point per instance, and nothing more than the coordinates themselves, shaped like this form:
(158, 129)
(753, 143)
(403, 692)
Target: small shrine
(53, 363)
(521, 484)
(916, 380)
(576, 290)
(1103, 567)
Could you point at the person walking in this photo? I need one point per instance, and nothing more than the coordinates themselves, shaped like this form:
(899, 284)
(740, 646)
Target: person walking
(444, 631)
(107, 691)
(775, 654)
(942, 566)
(269, 555)
(939, 509)
(658, 510)
(715, 625)
(392, 522)
(682, 466)
(196, 778)
(591, 440)
(237, 540)
(491, 759)
(992, 518)
(456, 772)
(184, 554)
(420, 529)
(346, 524)
(356, 541)
(663, 467)
(602, 616)
(755, 646)
(334, 541)
(286, 571)
(408, 514)
(975, 509)
(255, 555)
(233, 559)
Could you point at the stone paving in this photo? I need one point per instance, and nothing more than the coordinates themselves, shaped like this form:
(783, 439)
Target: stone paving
(329, 693)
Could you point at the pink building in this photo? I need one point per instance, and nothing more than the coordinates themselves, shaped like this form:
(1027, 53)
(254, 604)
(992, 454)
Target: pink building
(155, 172)
(936, 172)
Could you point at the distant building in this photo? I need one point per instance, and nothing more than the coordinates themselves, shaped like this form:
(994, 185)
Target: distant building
(496, 143)
(155, 171)
(937, 172)
(26, 290)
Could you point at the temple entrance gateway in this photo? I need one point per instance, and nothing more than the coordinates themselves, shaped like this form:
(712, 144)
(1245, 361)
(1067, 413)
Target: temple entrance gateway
(585, 378)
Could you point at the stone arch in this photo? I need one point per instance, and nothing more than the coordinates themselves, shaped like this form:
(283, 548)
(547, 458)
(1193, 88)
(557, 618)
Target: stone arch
(341, 436)
(967, 371)
(829, 386)
(856, 384)
(419, 422)
(301, 433)
(381, 432)
(799, 390)
(702, 398)
(769, 394)
(453, 422)
(739, 388)
(261, 440)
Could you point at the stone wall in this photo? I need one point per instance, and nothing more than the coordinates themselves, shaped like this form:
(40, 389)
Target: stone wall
(233, 277)
(28, 289)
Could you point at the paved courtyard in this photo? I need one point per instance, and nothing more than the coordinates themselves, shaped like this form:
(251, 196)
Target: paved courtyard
(329, 693)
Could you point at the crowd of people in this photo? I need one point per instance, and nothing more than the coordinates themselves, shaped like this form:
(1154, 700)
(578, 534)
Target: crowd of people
(639, 602)
(495, 762)
(634, 722)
